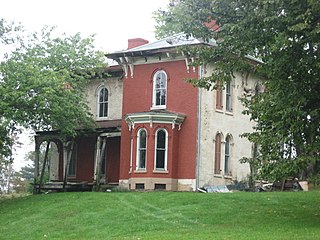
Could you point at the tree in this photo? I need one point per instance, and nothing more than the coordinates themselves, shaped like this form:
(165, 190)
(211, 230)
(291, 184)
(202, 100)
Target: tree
(42, 83)
(285, 35)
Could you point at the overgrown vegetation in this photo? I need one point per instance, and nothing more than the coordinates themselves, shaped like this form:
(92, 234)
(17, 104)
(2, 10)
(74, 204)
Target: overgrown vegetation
(162, 215)
(42, 82)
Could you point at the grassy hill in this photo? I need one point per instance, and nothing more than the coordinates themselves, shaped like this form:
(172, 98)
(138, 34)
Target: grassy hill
(162, 215)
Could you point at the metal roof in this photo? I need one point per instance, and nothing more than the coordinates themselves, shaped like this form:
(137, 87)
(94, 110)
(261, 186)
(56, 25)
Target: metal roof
(166, 43)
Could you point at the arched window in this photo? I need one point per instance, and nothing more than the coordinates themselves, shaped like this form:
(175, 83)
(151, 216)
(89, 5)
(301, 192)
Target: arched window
(217, 155)
(141, 149)
(227, 160)
(229, 97)
(103, 103)
(161, 146)
(159, 96)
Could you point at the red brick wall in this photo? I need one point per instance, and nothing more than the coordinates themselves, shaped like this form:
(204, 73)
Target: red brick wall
(182, 97)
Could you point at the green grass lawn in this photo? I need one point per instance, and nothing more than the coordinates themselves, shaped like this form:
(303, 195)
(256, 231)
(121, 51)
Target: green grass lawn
(162, 215)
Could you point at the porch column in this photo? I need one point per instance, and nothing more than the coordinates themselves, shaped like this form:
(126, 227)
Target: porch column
(36, 166)
(67, 154)
(99, 159)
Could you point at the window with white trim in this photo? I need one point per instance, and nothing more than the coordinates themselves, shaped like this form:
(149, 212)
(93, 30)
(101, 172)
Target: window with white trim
(227, 161)
(102, 111)
(159, 95)
(161, 146)
(141, 149)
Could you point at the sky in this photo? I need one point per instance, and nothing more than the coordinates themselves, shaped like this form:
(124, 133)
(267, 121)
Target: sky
(113, 22)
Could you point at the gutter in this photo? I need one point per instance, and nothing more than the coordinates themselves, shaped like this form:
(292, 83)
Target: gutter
(198, 131)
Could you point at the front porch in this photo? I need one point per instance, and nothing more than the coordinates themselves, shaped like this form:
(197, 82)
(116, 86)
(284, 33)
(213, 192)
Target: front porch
(88, 162)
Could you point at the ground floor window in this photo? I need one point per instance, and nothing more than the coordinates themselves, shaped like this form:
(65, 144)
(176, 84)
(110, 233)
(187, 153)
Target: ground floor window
(227, 167)
(161, 149)
(217, 155)
(141, 149)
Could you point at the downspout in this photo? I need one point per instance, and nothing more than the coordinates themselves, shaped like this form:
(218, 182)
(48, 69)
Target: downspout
(198, 131)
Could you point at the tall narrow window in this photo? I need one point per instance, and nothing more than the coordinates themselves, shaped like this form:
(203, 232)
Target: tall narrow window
(103, 103)
(161, 150)
(159, 98)
(141, 149)
(229, 97)
(227, 167)
(219, 96)
(217, 155)
(73, 160)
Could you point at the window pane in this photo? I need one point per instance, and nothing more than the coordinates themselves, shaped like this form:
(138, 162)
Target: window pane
(105, 109)
(103, 103)
(163, 97)
(159, 89)
(160, 158)
(161, 139)
(105, 94)
(142, 160)
(158, 97)
(142, 139)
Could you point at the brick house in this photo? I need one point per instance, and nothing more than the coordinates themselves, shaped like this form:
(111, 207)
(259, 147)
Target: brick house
(156, 130)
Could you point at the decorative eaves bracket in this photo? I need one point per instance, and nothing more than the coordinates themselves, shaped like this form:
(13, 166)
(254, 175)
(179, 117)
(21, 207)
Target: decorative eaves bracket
(127, 64)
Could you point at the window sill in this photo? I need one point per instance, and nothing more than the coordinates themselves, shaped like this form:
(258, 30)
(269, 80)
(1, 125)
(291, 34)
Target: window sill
(227, 176)
(229, 113)
(219, 110)
(140, 171)
(162, 107)
(102, 119)
(160, 171)
(217, 176)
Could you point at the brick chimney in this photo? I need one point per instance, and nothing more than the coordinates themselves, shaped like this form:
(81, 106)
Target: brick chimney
(136, 42)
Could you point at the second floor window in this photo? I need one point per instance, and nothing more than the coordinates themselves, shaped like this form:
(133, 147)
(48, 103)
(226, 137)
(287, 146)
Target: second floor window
(159, 95)
(103, 103)
(219, 96)
(229, 97)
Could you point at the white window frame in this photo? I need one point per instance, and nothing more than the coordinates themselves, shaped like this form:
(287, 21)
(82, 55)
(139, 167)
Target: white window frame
(154, 90)
(165, 150)
(139, 151)
(98, 103)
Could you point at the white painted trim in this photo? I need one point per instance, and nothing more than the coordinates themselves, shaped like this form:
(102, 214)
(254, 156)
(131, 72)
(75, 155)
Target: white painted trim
(98, 103)
(153, 105)
(166, 152)
(138, 152)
